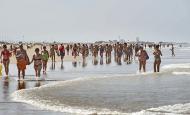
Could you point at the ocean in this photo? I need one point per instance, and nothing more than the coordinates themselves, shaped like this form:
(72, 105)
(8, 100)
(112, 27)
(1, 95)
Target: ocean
(101, 88)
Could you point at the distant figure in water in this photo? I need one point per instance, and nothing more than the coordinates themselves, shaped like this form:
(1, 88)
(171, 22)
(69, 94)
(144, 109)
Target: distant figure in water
(173, 54)
(157, 59)
(143, 56)
(62, 52)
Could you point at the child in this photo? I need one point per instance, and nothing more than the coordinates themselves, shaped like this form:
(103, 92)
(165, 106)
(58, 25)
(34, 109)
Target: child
(45, 57)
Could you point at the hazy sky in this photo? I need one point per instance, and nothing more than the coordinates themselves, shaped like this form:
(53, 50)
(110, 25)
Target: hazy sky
(91, 20)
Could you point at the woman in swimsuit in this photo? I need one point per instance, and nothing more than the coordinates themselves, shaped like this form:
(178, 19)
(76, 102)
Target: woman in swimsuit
(37, 58)
(5, 54)
(142, 54)
(74, 52)
(157, 59)
(22, 60)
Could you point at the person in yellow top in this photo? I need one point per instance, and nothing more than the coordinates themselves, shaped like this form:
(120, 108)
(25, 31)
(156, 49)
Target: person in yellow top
(1, 67)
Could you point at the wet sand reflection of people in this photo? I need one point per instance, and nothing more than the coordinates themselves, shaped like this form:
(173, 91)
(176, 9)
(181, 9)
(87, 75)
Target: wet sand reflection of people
(21, 85)
(5, 89)
(101, 61)
(95, 61)
(62, 67)
(74, 63)
(38, 83)
(84, 63)
(52, 66)
(108, 60)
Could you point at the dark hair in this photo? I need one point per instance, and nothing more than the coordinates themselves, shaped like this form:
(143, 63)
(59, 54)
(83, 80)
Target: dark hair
(44, 47)
(21, 46)
(37, 50)
(157, 46)
(4, 46)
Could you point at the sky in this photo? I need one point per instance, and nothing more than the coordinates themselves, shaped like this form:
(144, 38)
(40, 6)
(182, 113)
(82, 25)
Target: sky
(95, 20)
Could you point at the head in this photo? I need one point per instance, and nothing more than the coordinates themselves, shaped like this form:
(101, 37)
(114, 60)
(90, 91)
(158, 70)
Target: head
(37, 50)
(141, 48)
(44, 47)
(21, 46)
(157, 47)
(4, 46)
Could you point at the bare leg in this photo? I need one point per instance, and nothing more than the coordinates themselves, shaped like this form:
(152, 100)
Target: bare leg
(155, 64)
(158, 66)
(23, 73)
(18, 73)
(140, 64)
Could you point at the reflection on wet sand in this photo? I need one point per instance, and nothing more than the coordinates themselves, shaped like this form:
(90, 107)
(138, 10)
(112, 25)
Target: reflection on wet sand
(37, 84)
(84, 63)
(62, 67)
(95, 61)
(101, 61)
(21, 85)
(74, 63)
(52, 66)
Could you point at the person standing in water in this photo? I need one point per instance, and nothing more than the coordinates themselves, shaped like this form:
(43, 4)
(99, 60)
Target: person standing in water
(22, 60)
(45, 57)
(157, 59)
(37, 58)
(142, 54)
(74, 51)
(52, 53)
(5, 58)
(173, 54)
(62, 52)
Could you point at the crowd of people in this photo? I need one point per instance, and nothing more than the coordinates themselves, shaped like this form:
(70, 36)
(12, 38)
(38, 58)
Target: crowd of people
(120, 51)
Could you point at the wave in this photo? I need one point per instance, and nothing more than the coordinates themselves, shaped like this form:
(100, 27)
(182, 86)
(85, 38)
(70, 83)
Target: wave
(43, 104)
(31, 96)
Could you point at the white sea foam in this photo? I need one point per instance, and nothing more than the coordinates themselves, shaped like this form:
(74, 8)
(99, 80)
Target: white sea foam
(177, 66)
(181, 73)
(29, 96)
(22, 96)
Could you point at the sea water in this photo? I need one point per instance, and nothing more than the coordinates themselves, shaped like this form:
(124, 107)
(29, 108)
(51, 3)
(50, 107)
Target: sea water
(115, 89)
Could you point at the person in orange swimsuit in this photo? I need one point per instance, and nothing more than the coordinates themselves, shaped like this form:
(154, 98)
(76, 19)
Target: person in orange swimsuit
(22, 60)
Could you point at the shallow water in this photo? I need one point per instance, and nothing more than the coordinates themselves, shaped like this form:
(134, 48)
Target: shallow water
(115, 89)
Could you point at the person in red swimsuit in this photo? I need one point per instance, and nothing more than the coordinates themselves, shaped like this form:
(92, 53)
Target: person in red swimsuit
(5, 55)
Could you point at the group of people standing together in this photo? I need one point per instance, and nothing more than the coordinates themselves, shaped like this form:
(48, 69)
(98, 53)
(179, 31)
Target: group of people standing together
(126, 51)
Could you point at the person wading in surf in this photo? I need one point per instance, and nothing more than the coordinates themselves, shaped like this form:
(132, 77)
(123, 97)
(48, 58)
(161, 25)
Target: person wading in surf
(5, 54)
(157, 59)
(143, 56)
(22, 60)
